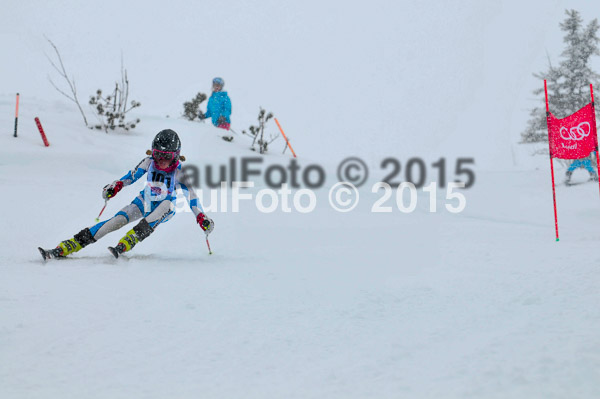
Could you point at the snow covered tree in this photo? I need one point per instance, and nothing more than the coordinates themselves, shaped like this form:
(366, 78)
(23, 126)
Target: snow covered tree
(191, 109)
(569, 82)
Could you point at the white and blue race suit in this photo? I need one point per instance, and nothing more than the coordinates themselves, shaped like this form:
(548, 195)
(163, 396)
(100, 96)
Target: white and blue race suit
(155, 203)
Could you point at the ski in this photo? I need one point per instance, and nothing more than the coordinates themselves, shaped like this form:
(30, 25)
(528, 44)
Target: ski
(114, 252)
(50, 253)
(577, 183)
(45, 255)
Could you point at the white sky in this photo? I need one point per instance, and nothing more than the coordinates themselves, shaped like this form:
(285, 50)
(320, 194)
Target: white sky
(389, 78)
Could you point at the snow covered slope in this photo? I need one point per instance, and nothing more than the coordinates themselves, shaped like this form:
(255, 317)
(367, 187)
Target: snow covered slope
(359, 304)
(480, 304)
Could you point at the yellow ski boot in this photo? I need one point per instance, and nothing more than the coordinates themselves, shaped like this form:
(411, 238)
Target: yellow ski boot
(133, 236)
(67, 247)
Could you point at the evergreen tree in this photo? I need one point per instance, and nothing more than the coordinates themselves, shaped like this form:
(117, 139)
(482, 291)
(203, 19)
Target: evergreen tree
(569, 83)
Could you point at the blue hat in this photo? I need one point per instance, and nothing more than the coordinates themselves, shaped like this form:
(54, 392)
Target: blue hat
(219, 81)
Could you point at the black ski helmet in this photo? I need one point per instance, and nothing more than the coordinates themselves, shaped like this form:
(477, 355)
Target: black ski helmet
(167, 141)
(166, 145)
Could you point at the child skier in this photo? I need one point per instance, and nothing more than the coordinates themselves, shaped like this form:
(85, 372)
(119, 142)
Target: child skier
(581, 163)
(154, 205)
(219, 106)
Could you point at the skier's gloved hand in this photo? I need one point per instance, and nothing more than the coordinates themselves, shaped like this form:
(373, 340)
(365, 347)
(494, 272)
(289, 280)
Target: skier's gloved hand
(201, 116)
(221, 120)
(110, 190)
(205, 223)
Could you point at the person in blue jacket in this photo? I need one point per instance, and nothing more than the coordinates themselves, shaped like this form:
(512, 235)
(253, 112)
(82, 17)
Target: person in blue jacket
(582, 163)
(219, 106)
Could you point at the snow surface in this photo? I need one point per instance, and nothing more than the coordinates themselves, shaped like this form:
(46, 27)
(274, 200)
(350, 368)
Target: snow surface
(481, 304)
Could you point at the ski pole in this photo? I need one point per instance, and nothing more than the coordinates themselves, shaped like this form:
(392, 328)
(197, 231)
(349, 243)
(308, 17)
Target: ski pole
(208, 245)
(98, 218)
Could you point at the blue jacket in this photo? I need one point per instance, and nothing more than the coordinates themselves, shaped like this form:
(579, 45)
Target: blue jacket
(219, 104)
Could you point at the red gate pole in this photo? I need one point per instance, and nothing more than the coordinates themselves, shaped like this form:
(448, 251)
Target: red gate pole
(41, 129)
(551, 164)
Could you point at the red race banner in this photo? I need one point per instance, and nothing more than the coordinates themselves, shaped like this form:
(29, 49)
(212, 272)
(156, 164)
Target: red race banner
(575, 136)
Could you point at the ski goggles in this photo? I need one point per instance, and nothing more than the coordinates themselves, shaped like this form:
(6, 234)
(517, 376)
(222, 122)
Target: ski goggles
(158, 155)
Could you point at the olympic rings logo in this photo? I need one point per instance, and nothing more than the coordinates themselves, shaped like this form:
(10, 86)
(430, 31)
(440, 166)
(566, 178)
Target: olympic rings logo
(576, 132)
